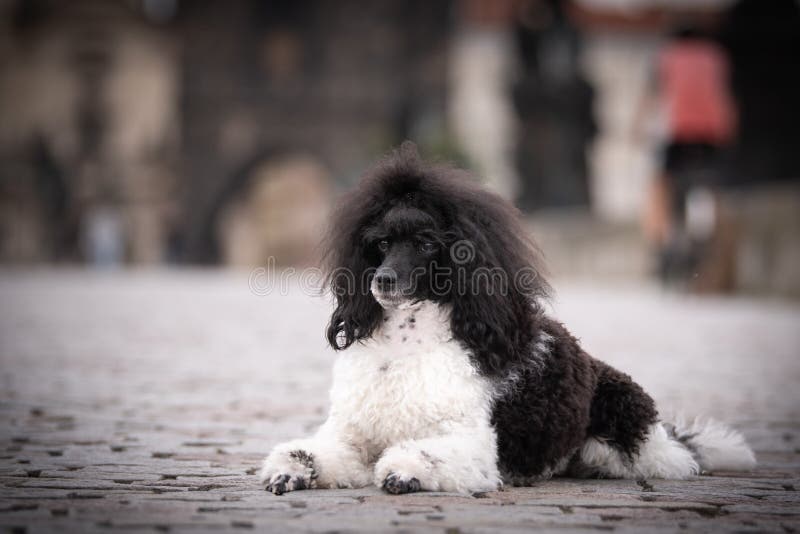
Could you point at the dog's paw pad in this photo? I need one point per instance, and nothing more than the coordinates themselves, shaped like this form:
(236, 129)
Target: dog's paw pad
(282, 483)
(289, 472)
(396, 484)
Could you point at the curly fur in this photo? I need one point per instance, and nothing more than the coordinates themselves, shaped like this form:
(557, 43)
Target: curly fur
(458, 381)
(497, 326)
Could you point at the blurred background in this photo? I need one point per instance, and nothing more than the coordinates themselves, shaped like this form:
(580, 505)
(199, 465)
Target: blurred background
(643, 139)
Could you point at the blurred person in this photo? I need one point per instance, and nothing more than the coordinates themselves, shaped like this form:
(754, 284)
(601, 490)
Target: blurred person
(554, 106)
(682, 220)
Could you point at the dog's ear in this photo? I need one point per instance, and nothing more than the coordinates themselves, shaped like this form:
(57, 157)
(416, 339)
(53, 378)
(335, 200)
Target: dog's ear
(496, 287)
(357, 313)
(349, 272)
(348, 269)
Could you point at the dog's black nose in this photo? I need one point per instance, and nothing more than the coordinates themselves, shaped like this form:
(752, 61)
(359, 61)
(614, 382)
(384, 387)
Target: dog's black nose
(385, 279)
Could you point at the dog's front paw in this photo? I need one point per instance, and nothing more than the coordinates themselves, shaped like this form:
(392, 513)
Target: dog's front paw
(396, 484)
(281, 483)
(403, 470)
(288, 471)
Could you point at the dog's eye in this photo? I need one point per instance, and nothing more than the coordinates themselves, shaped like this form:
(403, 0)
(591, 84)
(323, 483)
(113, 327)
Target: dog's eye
(427, 246)
(383, 245)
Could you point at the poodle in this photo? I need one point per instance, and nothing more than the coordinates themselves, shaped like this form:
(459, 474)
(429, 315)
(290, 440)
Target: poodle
(450, 375)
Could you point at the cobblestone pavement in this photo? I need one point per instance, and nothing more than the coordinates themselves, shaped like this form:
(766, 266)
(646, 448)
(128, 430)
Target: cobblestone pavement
(145, 401)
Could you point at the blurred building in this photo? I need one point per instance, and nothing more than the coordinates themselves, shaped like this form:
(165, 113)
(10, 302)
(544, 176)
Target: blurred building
(132, 129)
(89, 139)
(200, 131)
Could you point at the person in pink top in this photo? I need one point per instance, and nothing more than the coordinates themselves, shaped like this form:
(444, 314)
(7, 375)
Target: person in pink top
(692, 86)
(694, 81)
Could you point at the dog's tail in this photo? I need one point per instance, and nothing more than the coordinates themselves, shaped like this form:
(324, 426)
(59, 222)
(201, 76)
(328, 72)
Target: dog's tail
(713, 445)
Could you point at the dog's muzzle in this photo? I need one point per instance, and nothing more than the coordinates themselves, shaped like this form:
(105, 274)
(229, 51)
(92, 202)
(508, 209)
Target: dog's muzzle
(386, 288)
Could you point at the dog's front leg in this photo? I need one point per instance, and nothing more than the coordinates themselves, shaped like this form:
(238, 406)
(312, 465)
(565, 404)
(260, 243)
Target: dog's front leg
(323, 461)
(464, 461)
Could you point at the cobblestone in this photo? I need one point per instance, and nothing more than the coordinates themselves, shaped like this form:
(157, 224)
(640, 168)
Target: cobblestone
(145, 401)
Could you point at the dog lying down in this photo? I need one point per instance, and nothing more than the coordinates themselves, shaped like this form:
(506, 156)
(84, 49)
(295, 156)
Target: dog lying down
(450, 376)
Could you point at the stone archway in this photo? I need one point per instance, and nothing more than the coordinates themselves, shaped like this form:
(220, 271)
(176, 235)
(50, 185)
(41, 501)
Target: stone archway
(278, 212)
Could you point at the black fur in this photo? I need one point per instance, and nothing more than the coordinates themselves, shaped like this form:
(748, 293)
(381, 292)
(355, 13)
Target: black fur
(496, 324)
(561, 397)
(621, 410)
(552, 395)
(543, 417)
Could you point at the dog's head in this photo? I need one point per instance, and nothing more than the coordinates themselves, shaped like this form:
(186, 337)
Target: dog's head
(411, 231)
(404, 247)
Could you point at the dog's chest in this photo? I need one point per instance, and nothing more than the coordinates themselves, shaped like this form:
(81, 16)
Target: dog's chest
(409, 382)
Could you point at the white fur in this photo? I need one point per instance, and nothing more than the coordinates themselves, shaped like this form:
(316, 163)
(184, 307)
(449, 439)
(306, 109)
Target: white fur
(715, 445)
(699, 445)
(337, 463)
(407, 401)
(659, 457)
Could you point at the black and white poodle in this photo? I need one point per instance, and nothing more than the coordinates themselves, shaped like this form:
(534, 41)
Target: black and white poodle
(451, 377)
